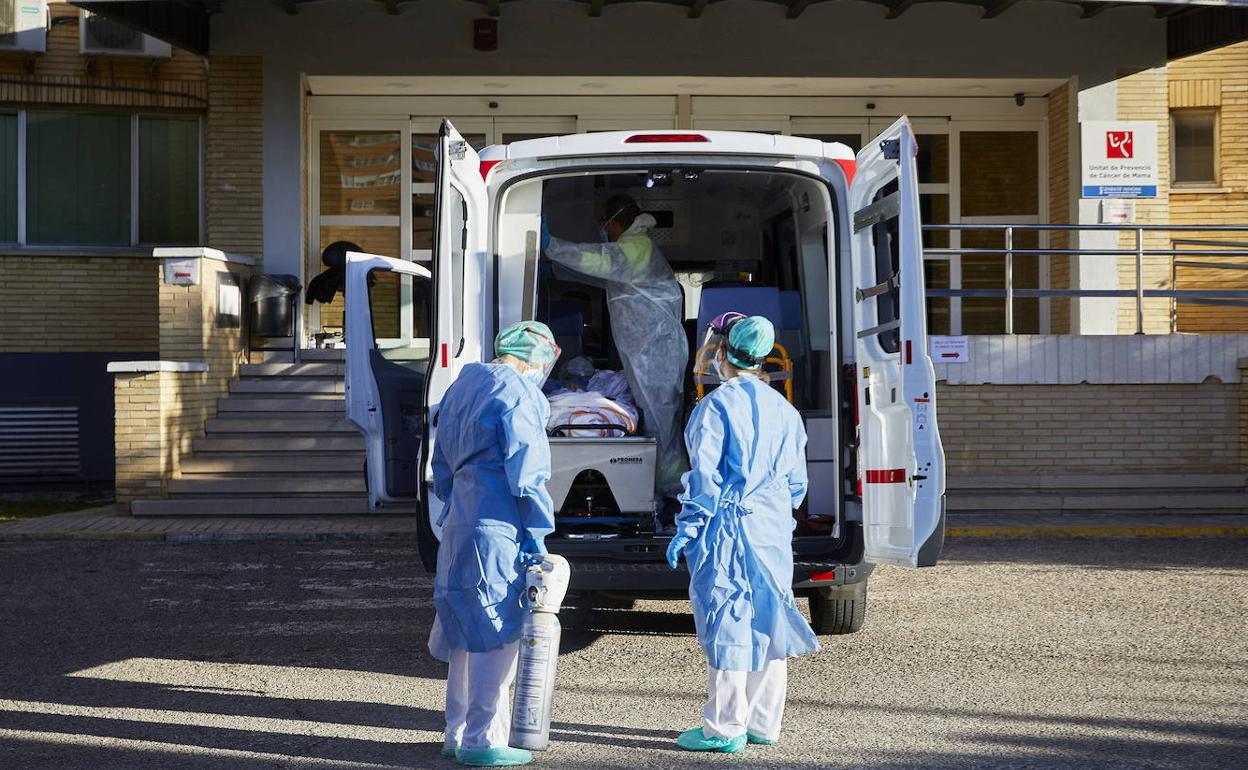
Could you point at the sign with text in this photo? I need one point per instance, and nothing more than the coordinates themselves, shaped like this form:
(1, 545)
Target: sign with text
(950, 350)
(1119, 159)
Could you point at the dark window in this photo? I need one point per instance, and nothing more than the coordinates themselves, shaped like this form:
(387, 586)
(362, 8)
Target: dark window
(1195, 146)
(78, 178)
(169, 180)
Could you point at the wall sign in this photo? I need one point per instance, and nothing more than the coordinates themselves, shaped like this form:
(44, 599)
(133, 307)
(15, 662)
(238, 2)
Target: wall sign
(950, 350)
(182, 272)
(1119, 159)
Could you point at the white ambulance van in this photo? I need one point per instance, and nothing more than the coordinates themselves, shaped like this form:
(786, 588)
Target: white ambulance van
(824, 243)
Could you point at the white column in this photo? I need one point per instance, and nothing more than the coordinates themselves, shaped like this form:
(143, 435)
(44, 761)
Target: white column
(1093, 315)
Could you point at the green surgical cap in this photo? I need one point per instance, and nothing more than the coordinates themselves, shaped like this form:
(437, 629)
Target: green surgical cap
(752, 337)
(529, 341)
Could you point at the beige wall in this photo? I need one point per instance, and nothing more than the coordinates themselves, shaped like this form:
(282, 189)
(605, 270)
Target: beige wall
(1217, 79)
(1143, 96)
(74, 304)
(233, 191)
(1059, 203)
(159, 414)
(1030, 429)
(63, 76)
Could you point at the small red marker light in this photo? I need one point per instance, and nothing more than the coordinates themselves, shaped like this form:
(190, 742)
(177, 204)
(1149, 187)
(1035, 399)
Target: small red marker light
(487, 166)
(664, 138)
(823, 576)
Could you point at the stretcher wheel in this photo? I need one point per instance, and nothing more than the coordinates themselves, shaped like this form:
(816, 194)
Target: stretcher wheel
(839, 609)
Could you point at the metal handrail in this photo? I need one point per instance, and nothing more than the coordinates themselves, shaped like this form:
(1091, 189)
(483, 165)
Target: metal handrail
(1225, 297)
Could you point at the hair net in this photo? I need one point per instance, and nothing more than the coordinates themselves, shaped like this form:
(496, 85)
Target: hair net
(530, 341)
(749, 341)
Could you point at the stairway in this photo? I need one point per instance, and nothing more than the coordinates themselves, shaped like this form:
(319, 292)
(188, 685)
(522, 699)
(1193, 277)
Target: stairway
(279, 445)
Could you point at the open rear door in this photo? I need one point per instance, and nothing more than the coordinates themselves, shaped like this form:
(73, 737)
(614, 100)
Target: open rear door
(901, 462)
(387, 367)
(410, 330)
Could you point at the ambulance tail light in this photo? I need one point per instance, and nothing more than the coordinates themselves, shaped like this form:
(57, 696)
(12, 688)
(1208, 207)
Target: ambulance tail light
(665, 139)
(487, 166)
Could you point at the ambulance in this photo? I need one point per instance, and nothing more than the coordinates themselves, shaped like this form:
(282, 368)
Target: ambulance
(824, 243)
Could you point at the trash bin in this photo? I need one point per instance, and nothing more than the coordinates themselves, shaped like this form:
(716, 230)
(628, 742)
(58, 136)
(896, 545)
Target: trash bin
(271, 299)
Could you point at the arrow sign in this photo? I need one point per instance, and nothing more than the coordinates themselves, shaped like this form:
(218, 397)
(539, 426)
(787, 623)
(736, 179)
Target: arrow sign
(950, 350)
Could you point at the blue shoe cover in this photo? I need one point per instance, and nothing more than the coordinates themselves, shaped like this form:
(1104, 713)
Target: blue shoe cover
(760, 740)
(448, 751)
(696, 740)
(493, 756)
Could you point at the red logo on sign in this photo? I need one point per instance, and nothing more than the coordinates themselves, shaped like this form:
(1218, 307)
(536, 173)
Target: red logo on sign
(1119, 144)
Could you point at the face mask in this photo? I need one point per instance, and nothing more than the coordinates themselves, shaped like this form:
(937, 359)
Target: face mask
(722, 368)
(602, 234)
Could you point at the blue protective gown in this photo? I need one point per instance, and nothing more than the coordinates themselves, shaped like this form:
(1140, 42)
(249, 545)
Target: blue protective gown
(747, 448)
(490, 467)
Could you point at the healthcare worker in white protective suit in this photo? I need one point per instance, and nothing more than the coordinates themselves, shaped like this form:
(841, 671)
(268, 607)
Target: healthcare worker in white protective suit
(747, 448)
(490, 468)
(646, 304)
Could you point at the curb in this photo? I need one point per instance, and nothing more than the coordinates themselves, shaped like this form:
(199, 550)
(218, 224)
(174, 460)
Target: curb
(953, 532)
(1102, 530)
(205, 537)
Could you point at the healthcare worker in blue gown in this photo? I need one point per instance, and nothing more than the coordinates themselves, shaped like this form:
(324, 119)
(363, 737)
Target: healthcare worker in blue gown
(747, 451)
(491, 463)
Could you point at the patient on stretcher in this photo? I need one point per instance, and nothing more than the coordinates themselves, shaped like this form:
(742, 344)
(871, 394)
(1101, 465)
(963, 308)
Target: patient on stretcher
(599, 400)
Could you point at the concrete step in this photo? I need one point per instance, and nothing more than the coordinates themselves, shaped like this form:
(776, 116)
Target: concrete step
(252, 445)
(302, 369)
(321, 505)
(1104, 500)
(271, 486)
(283, 386)
(331, 354)
(270, 423)
(283, 405)
(1063, 482)
(238, 464)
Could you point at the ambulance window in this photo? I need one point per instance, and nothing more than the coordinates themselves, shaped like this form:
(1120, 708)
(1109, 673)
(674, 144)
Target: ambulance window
(887, 263)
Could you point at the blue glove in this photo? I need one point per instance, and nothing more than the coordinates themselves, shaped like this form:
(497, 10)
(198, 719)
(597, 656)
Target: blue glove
(676, 549)
(544, 238)
(532, 551)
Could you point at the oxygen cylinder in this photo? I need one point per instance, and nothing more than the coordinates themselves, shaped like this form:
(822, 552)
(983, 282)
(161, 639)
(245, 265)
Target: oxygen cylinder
(546, 583)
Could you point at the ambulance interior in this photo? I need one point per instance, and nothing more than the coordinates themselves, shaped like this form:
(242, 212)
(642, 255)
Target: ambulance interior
(748, 241)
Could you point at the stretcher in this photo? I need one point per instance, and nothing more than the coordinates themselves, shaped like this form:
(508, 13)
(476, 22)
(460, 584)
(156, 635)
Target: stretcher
(602, 487)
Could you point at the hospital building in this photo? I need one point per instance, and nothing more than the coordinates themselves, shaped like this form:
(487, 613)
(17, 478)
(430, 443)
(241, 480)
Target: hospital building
(157, 157)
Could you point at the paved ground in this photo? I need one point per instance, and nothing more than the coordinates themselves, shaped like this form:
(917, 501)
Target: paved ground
(107, 523)
(1126, 653)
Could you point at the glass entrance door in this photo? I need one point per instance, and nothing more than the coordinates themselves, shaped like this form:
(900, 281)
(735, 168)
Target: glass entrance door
(372, 186)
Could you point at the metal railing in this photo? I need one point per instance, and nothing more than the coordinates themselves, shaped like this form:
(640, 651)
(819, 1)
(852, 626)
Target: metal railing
(1139, 251)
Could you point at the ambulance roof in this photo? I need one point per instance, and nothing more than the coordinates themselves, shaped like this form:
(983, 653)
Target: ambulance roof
(676, 142)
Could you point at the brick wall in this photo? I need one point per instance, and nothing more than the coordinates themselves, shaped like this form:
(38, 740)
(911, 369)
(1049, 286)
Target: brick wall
(64, 76)
(1215, 79)
(69, 304)
(234, 156)
(1145, 96)
(1092, 428)
(160, 414)
(1059, 203)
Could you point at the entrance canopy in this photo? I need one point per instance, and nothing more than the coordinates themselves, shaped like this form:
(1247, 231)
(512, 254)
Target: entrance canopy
(1192, 26)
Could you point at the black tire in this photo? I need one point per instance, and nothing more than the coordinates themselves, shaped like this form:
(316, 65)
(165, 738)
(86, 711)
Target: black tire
(839, 609)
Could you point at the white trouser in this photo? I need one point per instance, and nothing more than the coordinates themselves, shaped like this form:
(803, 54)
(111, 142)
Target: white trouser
(478, 712)
(745, 701)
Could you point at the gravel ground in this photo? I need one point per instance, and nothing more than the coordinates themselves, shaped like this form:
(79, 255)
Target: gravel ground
(1011, 654)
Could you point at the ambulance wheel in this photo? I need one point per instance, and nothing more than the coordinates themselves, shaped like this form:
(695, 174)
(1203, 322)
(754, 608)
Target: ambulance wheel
(839, 609)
